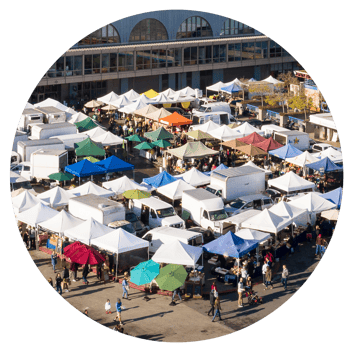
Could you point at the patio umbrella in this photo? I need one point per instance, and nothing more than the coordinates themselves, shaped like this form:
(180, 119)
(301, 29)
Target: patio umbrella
(91, 159)
(83, 254)
(161, 143)
(135, 138)
(109, 107)
(199, 135)
(93, 104)
(136, 194)
(61, 176)
(144, 272)
(144, 146)
(331, 215)
(171, 277)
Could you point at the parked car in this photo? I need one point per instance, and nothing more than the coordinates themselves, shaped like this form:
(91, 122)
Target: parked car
(138, 226)
(126, 225)
(241, 204)
(274, 194)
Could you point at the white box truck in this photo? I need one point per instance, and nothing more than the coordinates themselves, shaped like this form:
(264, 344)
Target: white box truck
(166, 235)
(19, 136)
(26, 148)
(29, 118)
(212, 108)
(231, 183)
(99, 208)
(42, 163)
(298, 139)
(52, 115)
(155, 213)
(217, 117)
(269, 129)
(205, 209)
(45, 131)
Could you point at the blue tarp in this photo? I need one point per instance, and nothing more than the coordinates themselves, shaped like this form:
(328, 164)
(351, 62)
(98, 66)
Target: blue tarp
(326, 164)
(230, 245)
(84, 168)
(160, 179)
(220, 167)
(287, 151)
(231, 88)
(334, 196)
(114, 164)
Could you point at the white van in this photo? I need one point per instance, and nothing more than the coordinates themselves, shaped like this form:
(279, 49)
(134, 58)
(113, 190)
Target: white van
(155, 213)
(221, 118)
(244, 203)
(165, 235)
(212, 108)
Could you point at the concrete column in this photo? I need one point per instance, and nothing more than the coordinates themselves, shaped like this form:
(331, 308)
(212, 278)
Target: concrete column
(160, 84)
(183, 80)
(283, 120)
(124, 85)
(257, 73)
(171, 81)
(262, 114)
(195, 80)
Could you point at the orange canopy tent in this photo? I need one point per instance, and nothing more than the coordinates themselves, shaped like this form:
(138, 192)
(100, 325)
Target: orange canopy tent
(175, 119)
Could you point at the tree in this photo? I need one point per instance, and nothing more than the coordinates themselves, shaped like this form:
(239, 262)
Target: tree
(262, 89)
(300, 102)
(279, 98)
(288, 79)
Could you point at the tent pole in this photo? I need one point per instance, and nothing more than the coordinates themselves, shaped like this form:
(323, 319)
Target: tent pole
(116, 269)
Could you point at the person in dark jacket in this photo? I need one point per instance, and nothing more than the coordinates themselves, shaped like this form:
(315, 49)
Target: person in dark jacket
(309, 232)
(85, 274)
(53, 258)
(58, 281)
(213, 294)
(73, 269)
(66, 279)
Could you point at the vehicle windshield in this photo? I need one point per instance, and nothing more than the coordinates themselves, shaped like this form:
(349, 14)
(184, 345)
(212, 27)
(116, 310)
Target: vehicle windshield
(218, 215)
(237, 203)
(166, 212)
(212, 191)
(202, 109)
(196, 241)
(128, 227)
(131, 217)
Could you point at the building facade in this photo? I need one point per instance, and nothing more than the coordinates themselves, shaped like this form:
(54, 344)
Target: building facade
(158, 50)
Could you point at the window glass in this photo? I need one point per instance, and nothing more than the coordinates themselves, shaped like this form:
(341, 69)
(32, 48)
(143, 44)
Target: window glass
(195, 26)
(106, 34)
(88, 64)
(148, 30)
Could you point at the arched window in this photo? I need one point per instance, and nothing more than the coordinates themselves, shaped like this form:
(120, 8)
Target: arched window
(232, 27)
(106, 34)
(148, 30)
(194, 26)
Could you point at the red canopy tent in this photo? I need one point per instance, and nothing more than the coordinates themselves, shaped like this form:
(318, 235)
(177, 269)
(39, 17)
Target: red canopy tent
(252, 138)
(83, 254)
(175, 119)
(268, 145)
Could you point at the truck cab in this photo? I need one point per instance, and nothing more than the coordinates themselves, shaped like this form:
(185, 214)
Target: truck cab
(24, 169)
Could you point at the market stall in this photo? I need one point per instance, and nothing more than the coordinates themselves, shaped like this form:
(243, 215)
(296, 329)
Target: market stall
(290, 183)
(194, 177)
(159, 180)
(24, 201)
(91, 188)
(56, 197)
(174, 190)
(224, 133)
(123, 184)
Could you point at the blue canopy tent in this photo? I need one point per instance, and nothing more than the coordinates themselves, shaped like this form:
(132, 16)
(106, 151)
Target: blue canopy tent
(233, 88)
(230, 245)
(287, 151)
(324, 165)
(334, 196)
(84, 168)
(220, 167)
(160, 179)
(114, 164)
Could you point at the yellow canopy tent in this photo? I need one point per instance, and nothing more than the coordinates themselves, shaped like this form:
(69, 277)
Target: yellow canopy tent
(150, 93)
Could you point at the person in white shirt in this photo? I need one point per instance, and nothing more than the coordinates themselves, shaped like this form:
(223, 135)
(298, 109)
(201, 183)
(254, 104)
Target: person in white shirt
(108, 307)
(240, 292)
(244, 274)
(285, 274)
(264, 269)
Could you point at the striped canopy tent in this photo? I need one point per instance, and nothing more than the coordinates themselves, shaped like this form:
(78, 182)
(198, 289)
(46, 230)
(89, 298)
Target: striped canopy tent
(150, 93)
(252, 138)
(148, 109)
(158, 114)
(175, 120)
(192, 150)
(251, 150)
(268, 144)
(159, 134)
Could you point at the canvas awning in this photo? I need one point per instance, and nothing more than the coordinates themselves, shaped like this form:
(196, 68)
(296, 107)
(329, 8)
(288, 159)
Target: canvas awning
(148, 109)
(334, 196)
(252, 138)
(325, 166)
(286, 151)
(158, 114)
(268, 144)
(251, 150)
(88, 148)
(151, 93)
(84, 168)
(160, 179)
(114, 164)
(192, 150)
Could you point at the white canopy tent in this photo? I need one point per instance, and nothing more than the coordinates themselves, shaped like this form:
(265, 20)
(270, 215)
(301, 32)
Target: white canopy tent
(129, 109)
(207, 127)
(246, 129)
(131, 95)
(61, 222)
(187, 91)
(272, 80)
(121, 102)
(302, 159)
(119, 186)
(36, 214)
(333, 154)
(144, 99)
(252, 164)
(174, 190)
(194, 177)
(179, 97)
(24, 201)
(224, 133)
(94, 133)
(238, 219)
(91, 188)
(177, 253)
(235, 81)
(290, 182)
(56, 197)
(21, 190)
(76, 118)
(215, 87)
(168, 92)
(252, 234)
(162, 99)
(49, 102)
(108, 139)
(108, 98)
(87, 231)
(288, 211)
(159, 114)
(313, 202)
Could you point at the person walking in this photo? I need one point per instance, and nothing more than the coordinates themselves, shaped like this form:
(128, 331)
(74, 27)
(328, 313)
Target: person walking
(108, 307)
(268, 276)
(284, 279)
(213, 296)
(66, 279)
(54, 261)
(309, 231)
(73, 269)
(85, 274)
(58, 281)
(240, 292)
(125, 285)
(177, 291)
(118, 306)
(318, 245)
(264, 269)
(217, 306)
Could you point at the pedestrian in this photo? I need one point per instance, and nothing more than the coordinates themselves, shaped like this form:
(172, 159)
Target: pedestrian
(25, 239)
(269, 258)
(309, 231)
(233, 158)
(85, 272)
(244, 273)
(66, 279)
(318, 245)
(264, 270)
(268, 278)
(213, 296)
(284, 279)
(108, 307)
(99, 271)
(248, 284)
(126, 287)
(58, 281)
(118, 307)
(54, 261)
(73, 269)
(240, 292)
(214, 286)
(177, 291)
(217, 306)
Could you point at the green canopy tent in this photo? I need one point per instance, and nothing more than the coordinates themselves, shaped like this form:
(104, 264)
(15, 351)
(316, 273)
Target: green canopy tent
(87, 148)
(159, 134)
(61, 176)
(161, 143)
(144, 146)
(86, 125)
(199, 135)
(135, 138)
